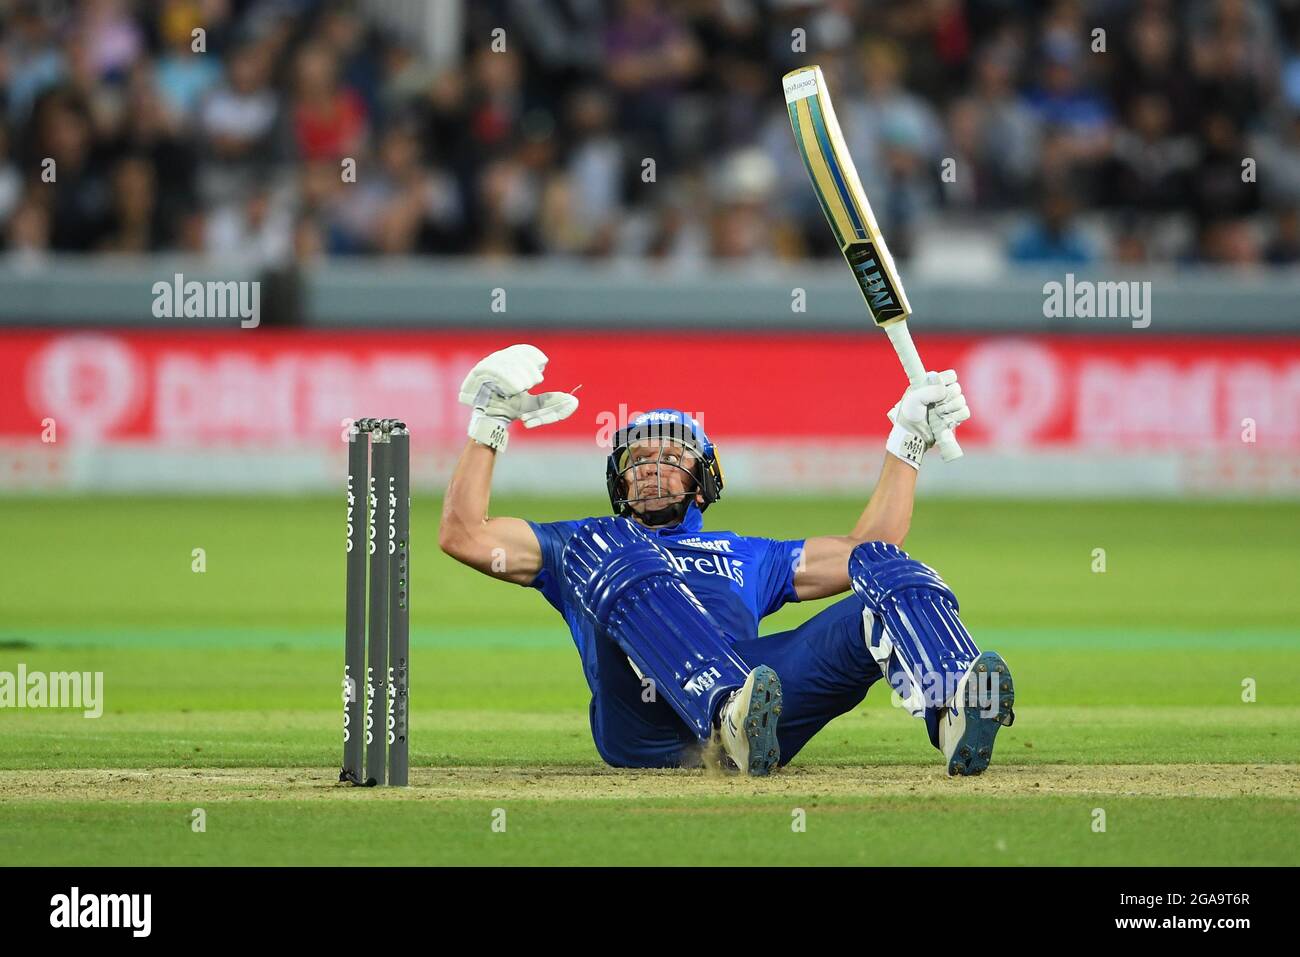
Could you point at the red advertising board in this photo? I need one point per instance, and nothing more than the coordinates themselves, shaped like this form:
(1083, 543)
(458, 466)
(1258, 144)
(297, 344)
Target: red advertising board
(1126, 392)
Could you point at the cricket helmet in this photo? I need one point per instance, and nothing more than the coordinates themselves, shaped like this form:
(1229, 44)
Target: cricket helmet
(665, 424)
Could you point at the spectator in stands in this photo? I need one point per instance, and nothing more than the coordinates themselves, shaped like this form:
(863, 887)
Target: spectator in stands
(33, 61)
(308, 240)
(132, 225)
(739, 231)
(1218, 188)
(1151, 65)
(1228, 242)
(911, 186)
(649, 57)
(319, 197)
(1276, 148)
(593, 180)
(1149, 166)
(184, 75)
(11, 181)
(343, 32)
(148, 130)
(78, 198)
(1003, 136)
(510, 192)
(887, 116)
(237, 121)
(537, 149)
(403, 204)
(1052, 236)
(1234, 57)
(329, 120)
(1065, 102)
(258, 230)
(1284, 247)
(1131, 247)
(111, 36)
(27, 239)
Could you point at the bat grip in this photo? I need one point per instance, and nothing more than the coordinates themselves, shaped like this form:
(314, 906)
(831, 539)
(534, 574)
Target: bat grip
(948, 447)
(915, 369)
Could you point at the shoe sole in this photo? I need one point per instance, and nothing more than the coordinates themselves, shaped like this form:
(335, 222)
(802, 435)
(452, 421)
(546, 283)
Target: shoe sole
(760, 722)
(975, 747)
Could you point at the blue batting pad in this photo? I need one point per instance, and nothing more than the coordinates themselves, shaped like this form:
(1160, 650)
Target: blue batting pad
(911, 625)
(627, 583)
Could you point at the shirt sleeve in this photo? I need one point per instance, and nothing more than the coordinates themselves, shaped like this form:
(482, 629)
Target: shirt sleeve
(777, 564)
(552, 537)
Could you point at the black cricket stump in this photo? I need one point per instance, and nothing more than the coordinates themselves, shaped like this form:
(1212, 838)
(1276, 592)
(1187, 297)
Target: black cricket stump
(377, 633)
(355, 648)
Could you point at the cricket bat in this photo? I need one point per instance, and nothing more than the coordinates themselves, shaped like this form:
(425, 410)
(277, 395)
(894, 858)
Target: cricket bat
(835, 181)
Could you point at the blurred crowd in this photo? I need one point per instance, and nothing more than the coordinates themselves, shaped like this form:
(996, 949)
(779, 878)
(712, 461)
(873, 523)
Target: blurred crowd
(1072, 131)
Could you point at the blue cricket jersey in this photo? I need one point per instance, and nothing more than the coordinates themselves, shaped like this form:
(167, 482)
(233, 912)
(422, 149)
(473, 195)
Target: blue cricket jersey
(738, 578)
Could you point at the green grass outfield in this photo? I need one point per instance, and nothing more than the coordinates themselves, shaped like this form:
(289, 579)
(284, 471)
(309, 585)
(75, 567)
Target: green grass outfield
(222, 693)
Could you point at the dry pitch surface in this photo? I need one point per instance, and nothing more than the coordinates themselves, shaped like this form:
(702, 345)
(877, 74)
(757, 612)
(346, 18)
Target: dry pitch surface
(571, 784)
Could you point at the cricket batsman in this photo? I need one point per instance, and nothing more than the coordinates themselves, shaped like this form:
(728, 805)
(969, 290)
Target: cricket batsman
(665, 613)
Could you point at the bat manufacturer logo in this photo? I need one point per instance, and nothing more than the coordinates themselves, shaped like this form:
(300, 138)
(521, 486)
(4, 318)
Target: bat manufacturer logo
(914, 447)
(881, 297)
(800, 86)
(702, 682)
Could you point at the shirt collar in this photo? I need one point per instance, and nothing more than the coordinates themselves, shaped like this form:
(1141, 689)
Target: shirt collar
(692, 521)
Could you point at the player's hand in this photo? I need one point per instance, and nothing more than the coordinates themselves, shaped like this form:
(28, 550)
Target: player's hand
(508, 371)
(924, 411)
(497, 387)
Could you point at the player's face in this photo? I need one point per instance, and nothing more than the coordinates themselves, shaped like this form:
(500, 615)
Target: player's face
(659, 472)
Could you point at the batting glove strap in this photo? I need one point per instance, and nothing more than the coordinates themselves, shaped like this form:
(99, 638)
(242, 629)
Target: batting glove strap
(489, 430)
(906, 445)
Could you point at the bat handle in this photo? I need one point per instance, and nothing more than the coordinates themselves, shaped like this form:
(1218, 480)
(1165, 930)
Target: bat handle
(948, 447)
(915, 369)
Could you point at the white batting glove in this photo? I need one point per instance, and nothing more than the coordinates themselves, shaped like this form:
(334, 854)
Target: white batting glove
(496, 389)
(924, 411)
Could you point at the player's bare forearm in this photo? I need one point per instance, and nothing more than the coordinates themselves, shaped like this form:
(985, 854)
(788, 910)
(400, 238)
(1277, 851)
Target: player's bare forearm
(465, 506)
(888, 514)
(824, 569)
(504, 548)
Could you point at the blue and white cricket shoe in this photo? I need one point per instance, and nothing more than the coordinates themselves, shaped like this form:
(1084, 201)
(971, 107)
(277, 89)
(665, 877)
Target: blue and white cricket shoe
(747, 723)
(980, 706)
